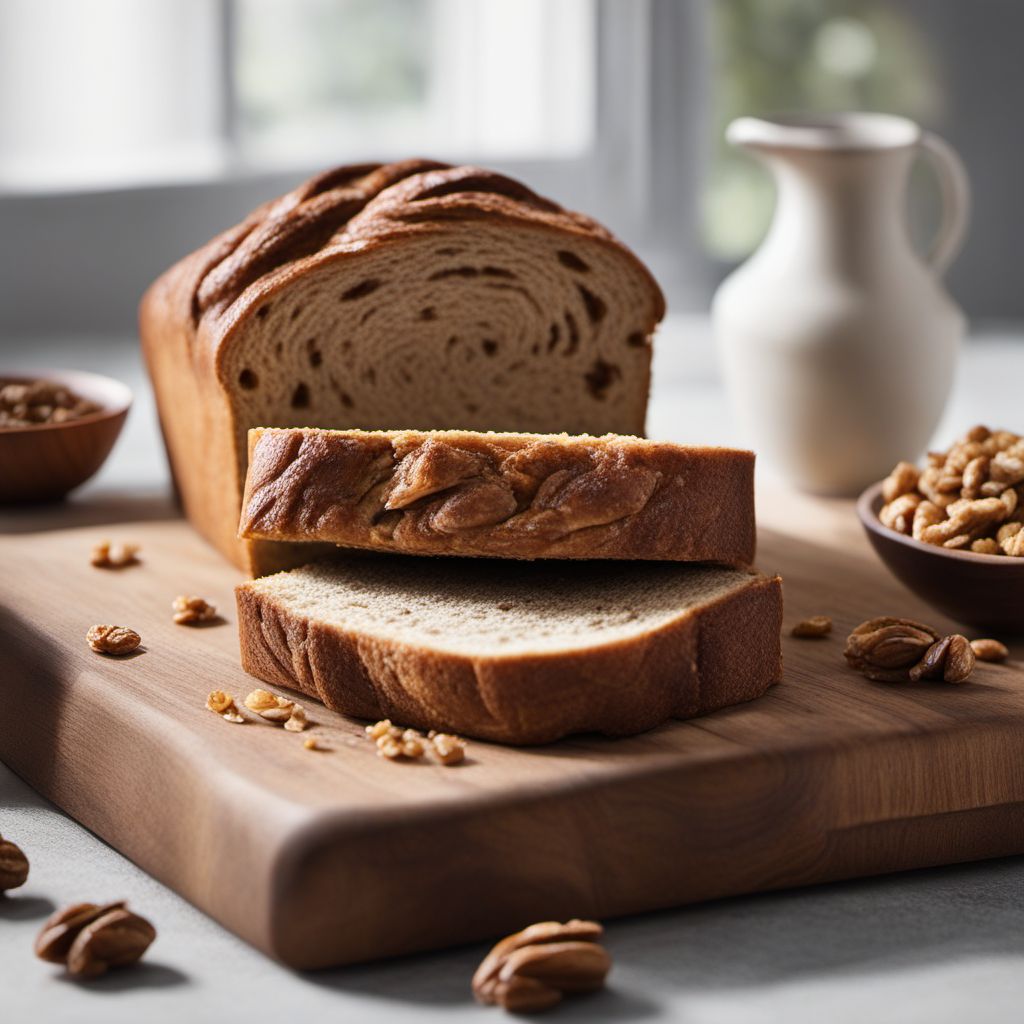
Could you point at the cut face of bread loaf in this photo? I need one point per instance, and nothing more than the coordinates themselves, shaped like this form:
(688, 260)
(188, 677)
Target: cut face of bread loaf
(410, 295)
(514, 652)
(505, 495)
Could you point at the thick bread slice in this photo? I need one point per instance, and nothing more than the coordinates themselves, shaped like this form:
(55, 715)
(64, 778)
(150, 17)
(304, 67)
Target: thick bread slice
(504, 495)
(516, 652)
(404, 295)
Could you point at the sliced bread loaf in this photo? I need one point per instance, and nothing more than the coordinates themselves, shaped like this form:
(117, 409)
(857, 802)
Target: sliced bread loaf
(514, 652)
(505, 495)
(405, 295)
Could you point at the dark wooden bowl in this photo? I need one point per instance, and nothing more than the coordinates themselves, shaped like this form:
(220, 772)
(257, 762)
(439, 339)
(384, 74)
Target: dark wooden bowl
(985, 591)
(47, 460)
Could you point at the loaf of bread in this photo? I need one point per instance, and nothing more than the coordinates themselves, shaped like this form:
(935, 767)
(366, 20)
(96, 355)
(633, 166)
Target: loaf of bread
(505, 495)
(516, 652)
(405, 295)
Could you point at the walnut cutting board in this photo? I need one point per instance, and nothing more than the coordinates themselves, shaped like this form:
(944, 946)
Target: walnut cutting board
(330, 857)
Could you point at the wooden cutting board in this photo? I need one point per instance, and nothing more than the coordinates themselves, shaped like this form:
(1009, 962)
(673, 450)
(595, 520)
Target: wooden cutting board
(328, 857)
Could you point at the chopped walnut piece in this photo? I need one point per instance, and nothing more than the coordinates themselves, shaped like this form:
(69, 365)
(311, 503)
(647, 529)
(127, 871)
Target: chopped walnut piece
(898, 515)
(106, 555)
(990, 650)
(448, 749)
(297, 720)
(986, 546)
(117, 640)
(394, 742)
(902, 480)
(1011, 540)
(191, 610)
(814, 627)
(378, 729)
(310, 743)
(271, 707)
(224, 705)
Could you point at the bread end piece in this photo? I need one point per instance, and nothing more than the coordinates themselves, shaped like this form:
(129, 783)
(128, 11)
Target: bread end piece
(711, 654)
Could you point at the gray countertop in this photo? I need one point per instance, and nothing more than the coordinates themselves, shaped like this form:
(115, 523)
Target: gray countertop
(930, 946)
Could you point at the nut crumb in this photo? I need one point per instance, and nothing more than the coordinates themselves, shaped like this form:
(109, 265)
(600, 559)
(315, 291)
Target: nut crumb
(310, 743)
(448, 749)
(106, 555)
(989, 650)
(815, 626)
(191, 610)
(223, 704)
(116, 640)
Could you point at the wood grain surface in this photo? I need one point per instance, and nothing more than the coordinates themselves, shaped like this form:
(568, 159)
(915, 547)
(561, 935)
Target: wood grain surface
(335, 856)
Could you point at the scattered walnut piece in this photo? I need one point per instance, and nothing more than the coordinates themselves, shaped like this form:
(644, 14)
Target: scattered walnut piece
(950, 659)
(989, 650)
(297, 720)
(107, 555)
(893, 650)
(394, 743)
(533, 969)
(378, 729)
(310, 743)
(191, 610)
(448, 749)
(91, 939)
(279, 710)
(13, 865)
(964, 498)
(815, 626)
(223, 704)
(116, 640)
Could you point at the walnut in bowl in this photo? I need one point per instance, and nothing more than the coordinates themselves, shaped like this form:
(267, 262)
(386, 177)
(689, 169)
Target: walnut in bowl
(953, 532)
(56, 429)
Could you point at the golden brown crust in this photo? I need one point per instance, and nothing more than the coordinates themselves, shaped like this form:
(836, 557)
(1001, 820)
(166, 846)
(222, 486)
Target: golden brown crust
(724, 652)
(501, 495)
(194, 314)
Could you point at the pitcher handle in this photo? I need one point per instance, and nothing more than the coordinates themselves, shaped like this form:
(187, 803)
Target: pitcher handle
(956, 200)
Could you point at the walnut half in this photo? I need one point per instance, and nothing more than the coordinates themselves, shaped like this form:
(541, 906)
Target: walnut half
(533, 969)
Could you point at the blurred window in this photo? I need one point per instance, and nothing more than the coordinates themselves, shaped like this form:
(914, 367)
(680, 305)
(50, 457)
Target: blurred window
(496, 79)
(119, 92)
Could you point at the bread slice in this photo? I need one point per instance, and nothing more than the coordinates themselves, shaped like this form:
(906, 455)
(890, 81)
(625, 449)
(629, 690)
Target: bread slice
(516, 652)
(504, 495)
(405, 295)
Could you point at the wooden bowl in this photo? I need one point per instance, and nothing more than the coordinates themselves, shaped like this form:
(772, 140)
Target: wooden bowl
(985, 591)
(44, 461)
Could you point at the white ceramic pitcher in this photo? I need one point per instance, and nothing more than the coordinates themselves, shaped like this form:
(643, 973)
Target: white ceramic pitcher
(838, 341)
